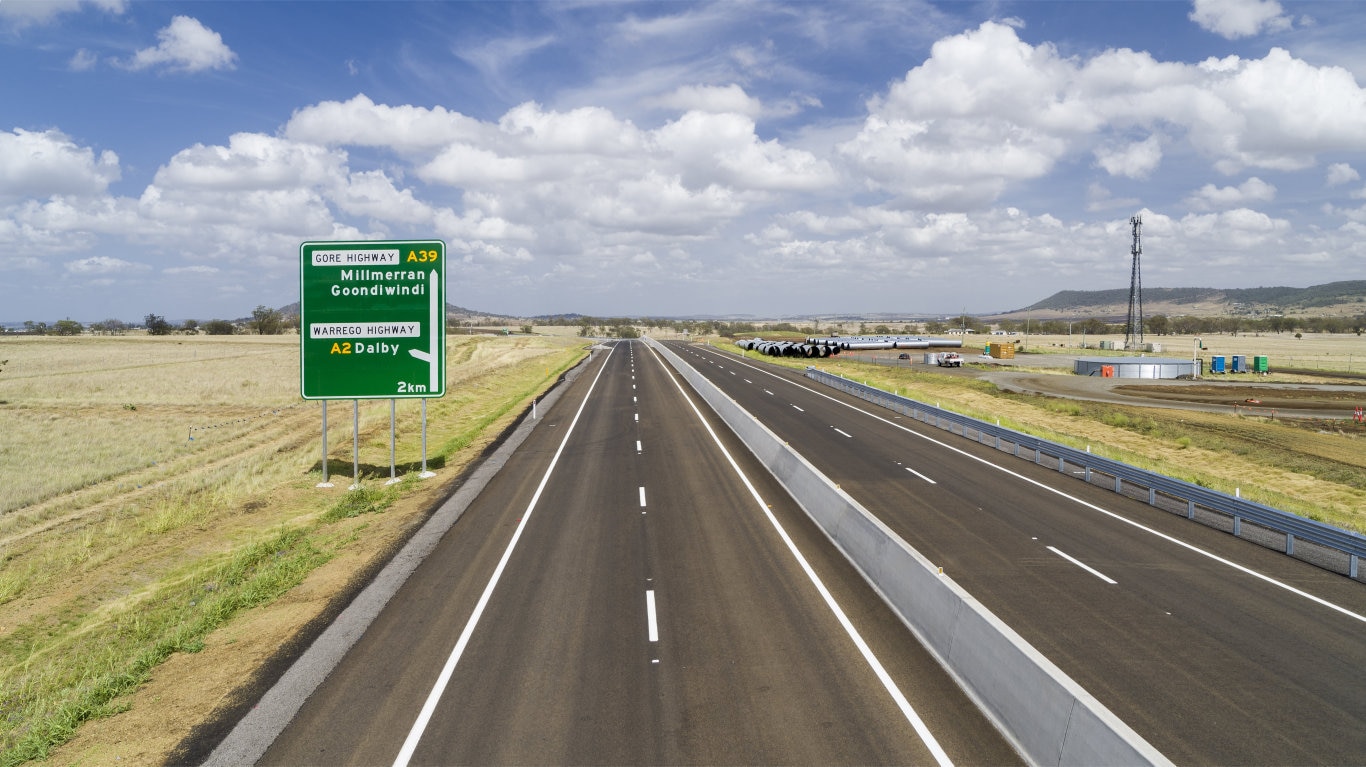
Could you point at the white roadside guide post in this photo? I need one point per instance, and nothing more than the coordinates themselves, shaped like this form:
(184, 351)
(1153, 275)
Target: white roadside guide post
(361, 304)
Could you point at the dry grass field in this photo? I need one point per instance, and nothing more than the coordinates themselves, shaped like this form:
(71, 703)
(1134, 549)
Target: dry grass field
(159, 520)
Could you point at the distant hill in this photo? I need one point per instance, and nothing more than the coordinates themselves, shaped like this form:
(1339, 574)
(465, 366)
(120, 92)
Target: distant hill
(1347, 297)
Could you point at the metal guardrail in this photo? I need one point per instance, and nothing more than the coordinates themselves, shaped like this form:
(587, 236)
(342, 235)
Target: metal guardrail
(1323, 545)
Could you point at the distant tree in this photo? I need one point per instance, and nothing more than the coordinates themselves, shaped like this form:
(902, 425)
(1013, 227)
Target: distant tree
(37, 328)
(156, 325)
(67, 327)
(935, 327)
(1158, 325)
(191, 327)
(265, 321)
(526, 330)
(219, 328)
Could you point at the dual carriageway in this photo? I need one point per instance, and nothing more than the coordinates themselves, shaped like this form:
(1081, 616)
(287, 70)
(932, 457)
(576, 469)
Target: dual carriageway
(633, 587)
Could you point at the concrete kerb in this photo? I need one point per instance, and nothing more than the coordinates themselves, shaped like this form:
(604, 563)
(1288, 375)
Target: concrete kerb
(253, 734)
(1047, 716)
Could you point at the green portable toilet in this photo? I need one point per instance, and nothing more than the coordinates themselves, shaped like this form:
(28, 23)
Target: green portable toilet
(1261, 364)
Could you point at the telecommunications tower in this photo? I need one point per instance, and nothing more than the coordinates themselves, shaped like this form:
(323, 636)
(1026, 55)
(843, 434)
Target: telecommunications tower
(1133, 327)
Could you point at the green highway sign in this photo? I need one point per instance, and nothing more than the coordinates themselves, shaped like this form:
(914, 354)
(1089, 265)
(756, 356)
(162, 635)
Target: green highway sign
(372, 319)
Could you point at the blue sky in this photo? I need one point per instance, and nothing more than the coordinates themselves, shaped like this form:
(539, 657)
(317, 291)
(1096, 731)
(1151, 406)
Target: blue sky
(661, 158)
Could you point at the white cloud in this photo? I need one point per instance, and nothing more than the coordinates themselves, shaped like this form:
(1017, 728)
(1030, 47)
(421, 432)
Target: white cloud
(103, 265)
(1137, 160)
(717, 99)
(987, 110)
(36, 165)
(1210, 197)
(186, 45)
(1341, 173)
(253, 161)
(361, 122)
(82, 61)
(25, 12)
(1232, 19)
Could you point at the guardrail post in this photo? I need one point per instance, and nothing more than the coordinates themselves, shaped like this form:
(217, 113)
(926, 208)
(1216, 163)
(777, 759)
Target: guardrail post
(1352, 566)
(1152, 496)
(1017, 449)
(1237, 526)
(1190, 509)
(1087, 474)
(1119, 484)
(1290, 543)
(998, 441)
(1062, 465)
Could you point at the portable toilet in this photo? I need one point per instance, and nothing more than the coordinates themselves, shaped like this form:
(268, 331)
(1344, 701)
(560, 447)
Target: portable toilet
(1261, 364)
(1239, 363)
(1216, 363)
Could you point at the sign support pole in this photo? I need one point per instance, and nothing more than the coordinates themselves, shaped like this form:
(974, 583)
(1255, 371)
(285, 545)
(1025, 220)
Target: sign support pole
(392, 477)
(324, 483)
(425, 474)
(355, 444)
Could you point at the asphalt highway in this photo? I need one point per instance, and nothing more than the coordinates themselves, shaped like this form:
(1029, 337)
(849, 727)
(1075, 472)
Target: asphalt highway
(633, 588)
(1215, 650)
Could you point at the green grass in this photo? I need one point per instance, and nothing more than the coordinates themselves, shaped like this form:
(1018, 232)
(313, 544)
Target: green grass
(44, 701)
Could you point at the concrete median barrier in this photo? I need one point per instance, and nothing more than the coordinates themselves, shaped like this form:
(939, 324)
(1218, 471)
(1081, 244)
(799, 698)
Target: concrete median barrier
(1049, 718)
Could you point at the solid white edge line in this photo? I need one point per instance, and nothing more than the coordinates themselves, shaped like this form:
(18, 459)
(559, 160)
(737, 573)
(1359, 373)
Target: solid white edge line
(650, 615)
(1087, 504)
(918, 474)
(434, 697)
(1084, 566)
(940, 756)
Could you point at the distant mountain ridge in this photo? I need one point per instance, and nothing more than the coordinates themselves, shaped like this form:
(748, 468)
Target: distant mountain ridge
(1341, 295)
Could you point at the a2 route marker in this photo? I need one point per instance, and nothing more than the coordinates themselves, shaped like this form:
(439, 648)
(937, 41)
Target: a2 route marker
(372, 325)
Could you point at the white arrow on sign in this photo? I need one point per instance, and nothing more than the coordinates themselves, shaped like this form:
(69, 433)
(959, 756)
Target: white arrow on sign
(430, 356)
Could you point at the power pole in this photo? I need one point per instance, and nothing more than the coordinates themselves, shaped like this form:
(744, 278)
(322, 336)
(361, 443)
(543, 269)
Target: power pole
(1133, 326)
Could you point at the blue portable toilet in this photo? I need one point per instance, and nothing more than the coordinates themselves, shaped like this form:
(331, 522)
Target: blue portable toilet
(1239, 363)
(1216, 364)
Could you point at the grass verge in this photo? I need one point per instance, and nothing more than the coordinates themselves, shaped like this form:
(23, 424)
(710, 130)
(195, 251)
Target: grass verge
(102, 585)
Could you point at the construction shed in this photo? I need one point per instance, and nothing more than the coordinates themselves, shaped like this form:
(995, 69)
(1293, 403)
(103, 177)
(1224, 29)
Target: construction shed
(1133, 367)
